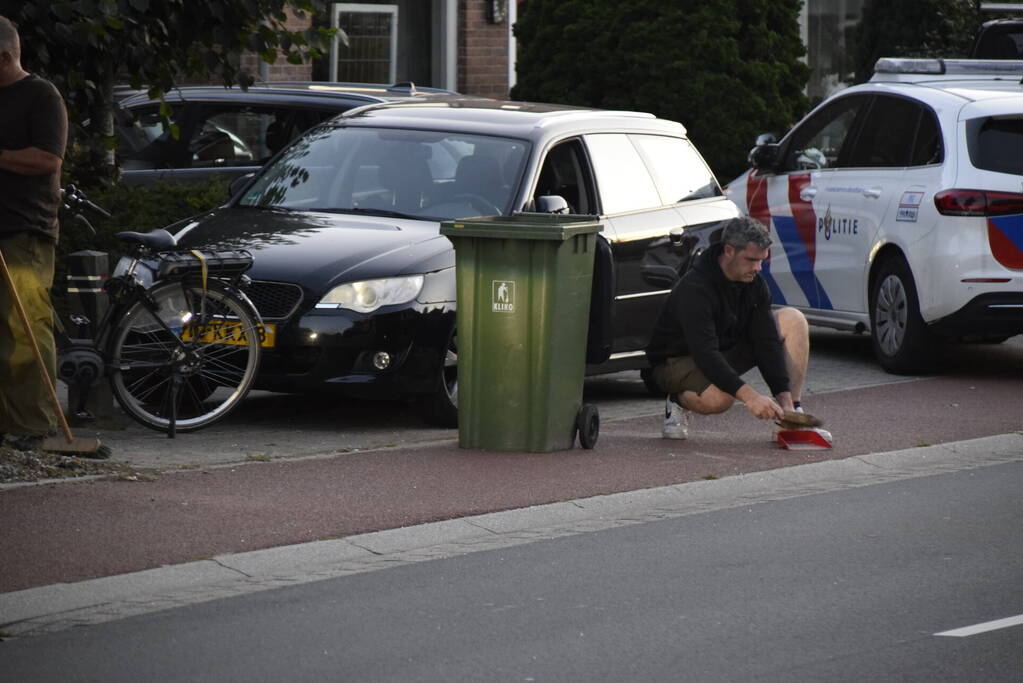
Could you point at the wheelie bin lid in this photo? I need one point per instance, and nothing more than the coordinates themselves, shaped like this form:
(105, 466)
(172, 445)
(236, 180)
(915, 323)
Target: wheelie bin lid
(523, 226)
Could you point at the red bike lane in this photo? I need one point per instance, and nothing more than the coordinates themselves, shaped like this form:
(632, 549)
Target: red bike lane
(67, 532)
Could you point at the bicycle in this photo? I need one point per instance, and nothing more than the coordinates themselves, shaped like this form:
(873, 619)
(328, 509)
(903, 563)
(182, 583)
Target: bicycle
(180, 347)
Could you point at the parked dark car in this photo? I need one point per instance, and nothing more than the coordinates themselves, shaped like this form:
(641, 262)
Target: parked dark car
(228, 132)
(998, 39)
(358, 286)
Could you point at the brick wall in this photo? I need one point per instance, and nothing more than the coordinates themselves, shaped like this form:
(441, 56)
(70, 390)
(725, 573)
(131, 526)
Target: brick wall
(482, 52)
(281, 70)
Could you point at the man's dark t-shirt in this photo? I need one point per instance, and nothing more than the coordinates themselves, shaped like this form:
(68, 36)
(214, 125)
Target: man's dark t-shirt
(706, 313)
(32, 114)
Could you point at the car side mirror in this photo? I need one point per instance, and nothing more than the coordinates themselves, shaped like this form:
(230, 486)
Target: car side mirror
(239, 185)
(764, 156)
(551, 203)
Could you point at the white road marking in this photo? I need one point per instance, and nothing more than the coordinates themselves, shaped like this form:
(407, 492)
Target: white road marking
(983, 628)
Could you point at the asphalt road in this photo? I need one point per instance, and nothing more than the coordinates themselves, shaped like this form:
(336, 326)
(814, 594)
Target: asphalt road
(846, 585)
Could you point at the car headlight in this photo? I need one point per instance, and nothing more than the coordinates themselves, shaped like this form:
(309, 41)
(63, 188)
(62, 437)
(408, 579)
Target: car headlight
(369, 295)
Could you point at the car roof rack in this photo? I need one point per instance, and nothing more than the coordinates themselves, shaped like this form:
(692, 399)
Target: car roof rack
(926, 69)
(999, 6)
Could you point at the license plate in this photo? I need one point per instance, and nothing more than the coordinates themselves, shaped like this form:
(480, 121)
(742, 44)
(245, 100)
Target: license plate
(229, 332)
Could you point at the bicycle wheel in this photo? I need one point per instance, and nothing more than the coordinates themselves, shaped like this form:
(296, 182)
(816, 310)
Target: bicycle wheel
(194, 357)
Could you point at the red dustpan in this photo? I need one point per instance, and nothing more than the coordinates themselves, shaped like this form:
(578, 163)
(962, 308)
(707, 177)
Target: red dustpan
(803, 439)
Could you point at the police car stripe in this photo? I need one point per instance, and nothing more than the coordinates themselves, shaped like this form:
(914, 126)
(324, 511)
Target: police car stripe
(804, 216)
(806, 228)
(1005, 235)
(799, 259)
(759, 208)
(777, 296)
(756, 199)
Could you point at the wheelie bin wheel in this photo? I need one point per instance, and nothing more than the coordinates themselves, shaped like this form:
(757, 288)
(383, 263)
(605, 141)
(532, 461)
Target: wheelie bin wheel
(588, 424)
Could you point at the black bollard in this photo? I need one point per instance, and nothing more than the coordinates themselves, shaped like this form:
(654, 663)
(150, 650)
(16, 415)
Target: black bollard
(90, 401)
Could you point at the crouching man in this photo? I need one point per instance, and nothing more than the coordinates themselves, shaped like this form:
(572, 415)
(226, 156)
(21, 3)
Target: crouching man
(716, 325)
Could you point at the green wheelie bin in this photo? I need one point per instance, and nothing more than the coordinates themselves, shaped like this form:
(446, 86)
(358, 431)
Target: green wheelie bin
(523, 297)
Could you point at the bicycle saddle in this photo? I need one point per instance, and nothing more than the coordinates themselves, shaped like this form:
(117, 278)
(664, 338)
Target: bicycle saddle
(157, 240)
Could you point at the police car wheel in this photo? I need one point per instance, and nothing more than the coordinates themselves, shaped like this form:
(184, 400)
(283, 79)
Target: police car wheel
(902, 343)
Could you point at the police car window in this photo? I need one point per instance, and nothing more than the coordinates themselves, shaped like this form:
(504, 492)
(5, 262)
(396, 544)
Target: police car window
(678, 169)
(996, 144)
(622, 177)
(928, 147)
(887, 134)
(819, 142)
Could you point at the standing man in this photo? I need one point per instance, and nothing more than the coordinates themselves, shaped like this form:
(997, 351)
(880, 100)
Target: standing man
(33, 134)
(716, 325)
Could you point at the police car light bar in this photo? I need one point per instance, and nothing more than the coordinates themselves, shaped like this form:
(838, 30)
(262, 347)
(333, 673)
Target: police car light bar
(949, 67)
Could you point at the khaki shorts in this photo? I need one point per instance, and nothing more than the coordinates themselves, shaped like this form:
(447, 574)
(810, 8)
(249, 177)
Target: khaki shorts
(680, 373)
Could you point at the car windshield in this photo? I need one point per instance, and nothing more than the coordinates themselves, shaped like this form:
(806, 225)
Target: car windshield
(996, 143)
(427, 175)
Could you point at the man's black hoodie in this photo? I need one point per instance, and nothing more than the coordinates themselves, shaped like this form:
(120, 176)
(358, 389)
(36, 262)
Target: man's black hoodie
(706, 313)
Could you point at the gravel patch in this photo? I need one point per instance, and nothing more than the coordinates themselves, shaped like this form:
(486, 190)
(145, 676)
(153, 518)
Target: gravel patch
(28, 466)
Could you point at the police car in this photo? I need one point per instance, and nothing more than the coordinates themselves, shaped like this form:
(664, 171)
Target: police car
(896, 206)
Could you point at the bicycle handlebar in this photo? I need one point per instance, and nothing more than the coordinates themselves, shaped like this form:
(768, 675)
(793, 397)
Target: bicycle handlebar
(74, 200)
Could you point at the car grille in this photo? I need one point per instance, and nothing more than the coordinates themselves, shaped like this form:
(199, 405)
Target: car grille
(274, 300)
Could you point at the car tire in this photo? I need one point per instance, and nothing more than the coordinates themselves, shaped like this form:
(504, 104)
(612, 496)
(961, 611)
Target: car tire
(440, 408)
(901, 341)
(647, 375)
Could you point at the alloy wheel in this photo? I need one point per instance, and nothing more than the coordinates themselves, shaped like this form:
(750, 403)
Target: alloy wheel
(891, 314)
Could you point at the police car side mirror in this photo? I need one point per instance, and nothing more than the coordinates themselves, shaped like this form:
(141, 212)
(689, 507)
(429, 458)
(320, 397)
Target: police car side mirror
(764, 156)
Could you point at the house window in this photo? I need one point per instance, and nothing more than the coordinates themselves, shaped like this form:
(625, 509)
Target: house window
(828, 30)
(365, 49)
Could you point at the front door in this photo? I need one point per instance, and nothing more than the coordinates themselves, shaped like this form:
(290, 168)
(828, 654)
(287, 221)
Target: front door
(795, 200)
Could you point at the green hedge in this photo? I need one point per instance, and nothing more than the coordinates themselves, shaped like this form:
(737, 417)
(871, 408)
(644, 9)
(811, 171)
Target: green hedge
(726, 69)
(138, 209)
(922, 28)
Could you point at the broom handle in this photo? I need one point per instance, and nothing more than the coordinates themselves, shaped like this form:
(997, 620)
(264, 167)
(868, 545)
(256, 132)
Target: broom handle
(35, 350)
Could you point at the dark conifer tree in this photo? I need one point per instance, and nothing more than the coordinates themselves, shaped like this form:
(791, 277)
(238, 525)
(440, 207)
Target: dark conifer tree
(727, 69)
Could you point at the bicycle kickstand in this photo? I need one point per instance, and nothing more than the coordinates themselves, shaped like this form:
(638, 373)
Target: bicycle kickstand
(176, 382)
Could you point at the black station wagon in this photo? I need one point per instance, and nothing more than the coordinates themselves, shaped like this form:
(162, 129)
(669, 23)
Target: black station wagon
(355, 282)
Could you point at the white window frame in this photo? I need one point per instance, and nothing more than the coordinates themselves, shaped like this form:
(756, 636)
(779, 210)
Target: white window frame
(356, 7)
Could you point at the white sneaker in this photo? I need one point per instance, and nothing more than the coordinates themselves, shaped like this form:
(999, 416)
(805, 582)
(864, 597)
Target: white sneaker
(676, 420)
